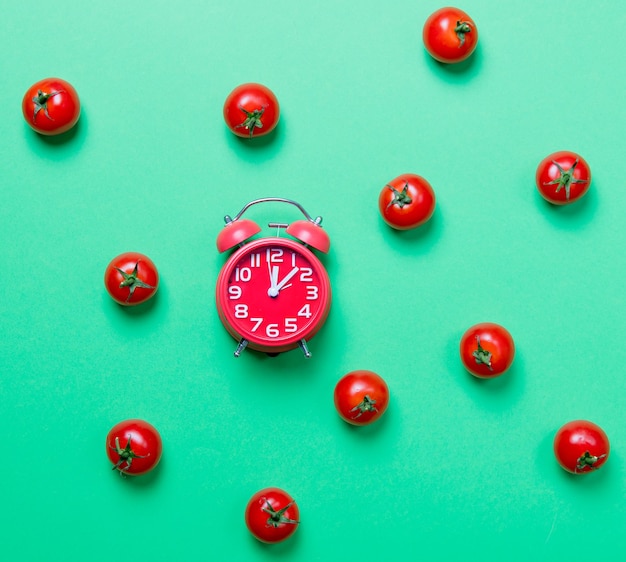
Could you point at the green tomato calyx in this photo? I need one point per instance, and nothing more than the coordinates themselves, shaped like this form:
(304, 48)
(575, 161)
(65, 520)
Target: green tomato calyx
(132, 281)
(366, 405)
(400, 198)
(461, 29)
(41, 102)
(482, 356)
(566, 178)
(253, 119)
(587, 460)
(277, 518)
(126, 456)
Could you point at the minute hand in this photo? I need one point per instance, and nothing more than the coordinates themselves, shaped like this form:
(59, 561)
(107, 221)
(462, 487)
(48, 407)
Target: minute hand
(275, 290)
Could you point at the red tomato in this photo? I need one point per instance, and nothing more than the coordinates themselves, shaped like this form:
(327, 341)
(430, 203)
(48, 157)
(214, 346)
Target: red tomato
(487, 350)
(51, 106)
(251, 110)
(134, 447)
(563, 177)
(581, 446)
(272, 515)
(361, 397)
(131, 278)
(450, 35)
(407, 201)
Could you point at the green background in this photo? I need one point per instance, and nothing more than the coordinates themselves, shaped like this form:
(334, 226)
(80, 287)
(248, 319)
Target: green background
(457, 467)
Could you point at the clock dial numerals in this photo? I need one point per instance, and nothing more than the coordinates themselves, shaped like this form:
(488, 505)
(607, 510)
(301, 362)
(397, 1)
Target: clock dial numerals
(275, 255)
(243, 274)
(274, 293)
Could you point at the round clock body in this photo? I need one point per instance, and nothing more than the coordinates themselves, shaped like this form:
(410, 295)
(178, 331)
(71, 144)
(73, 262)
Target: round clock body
(274, 293)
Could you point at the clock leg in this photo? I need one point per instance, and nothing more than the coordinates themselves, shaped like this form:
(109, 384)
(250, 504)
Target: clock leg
(241, 346)
(304, 348)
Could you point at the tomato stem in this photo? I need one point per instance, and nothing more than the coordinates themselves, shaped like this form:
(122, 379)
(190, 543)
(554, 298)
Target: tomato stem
(482, 356)
(132, 281)
(461, 29)
(41, 102)
(587, 460)
(253, 119)
(277, 518)
(126, 455)
(566, 178)
(400, 198)
(366, 405)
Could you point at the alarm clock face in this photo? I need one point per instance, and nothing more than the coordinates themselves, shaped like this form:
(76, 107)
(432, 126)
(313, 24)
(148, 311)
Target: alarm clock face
(274, 293)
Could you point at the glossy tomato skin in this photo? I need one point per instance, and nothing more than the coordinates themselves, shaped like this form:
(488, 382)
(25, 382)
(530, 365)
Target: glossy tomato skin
(406, 202)
(361, 397)
(563, 177)
(134, 447)
(251, 110)
(581, 446)
(51, 106)
(131, 278)
(487, 350)
(450, 35)
(272, 515)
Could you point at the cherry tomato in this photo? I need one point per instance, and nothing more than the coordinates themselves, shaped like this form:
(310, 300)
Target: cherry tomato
(406, 202)
(450, 35)
(487, 350)
(51, 106)
(581, 446)
(251, 110)
(131, 278)
(563, 177)
(134, 447)
(272, 515)
(361, 397)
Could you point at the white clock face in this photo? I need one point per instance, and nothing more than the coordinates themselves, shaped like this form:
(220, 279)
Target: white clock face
(274, 293)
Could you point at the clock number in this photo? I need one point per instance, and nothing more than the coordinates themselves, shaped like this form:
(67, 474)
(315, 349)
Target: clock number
(272, 330)
(274, 255)
(306, 275)
(241, 311)
(234, 292)
(305, 311)
(255, 260)
(243, 274)
(311, 292)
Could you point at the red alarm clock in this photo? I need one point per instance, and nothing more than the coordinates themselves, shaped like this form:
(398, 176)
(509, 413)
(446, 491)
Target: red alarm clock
(273, 294)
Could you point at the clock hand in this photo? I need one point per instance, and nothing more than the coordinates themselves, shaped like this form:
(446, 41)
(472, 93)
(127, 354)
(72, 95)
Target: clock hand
(273, 276)
(275, 289)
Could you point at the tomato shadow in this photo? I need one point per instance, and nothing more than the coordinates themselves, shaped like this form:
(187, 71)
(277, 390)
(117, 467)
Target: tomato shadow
(469, 67)
(573, 215)
(140, 309)
(495, 394)
(371, 430)
(57, 144)
(282, 549)
(266, 145)
(133, 322)
(141, 481)
(420, 239)
(592, 488)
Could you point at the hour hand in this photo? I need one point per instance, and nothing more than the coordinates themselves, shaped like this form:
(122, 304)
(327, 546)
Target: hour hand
(275, 289)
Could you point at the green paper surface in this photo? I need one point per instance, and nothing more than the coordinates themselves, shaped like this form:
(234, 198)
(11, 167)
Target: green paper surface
(457, 468)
